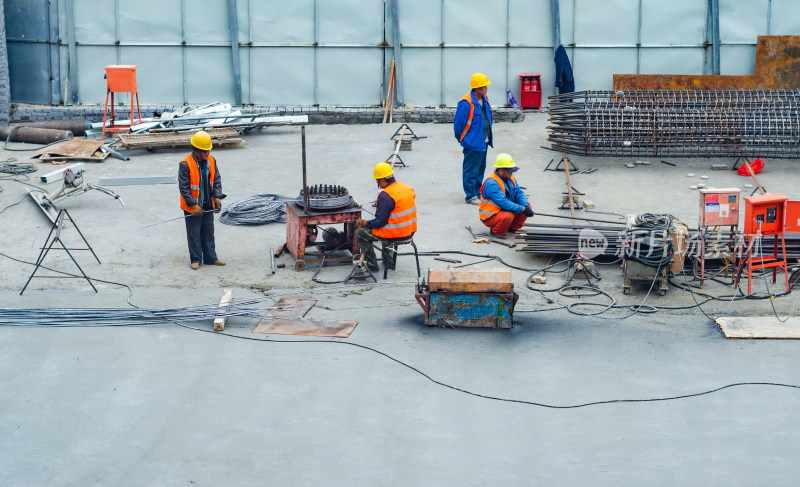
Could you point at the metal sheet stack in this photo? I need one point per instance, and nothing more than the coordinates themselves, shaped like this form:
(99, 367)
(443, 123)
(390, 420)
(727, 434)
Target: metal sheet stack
(735, 123)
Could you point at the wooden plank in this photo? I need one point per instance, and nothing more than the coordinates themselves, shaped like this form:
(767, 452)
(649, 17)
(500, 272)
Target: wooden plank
(759, 327)
(470, 280)
(227, 297)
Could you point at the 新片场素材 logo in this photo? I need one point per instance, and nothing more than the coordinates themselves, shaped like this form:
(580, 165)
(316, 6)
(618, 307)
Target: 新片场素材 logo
(591, 243)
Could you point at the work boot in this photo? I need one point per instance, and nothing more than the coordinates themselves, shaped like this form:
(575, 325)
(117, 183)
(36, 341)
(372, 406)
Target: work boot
(500, 236)
(218, 262)
(195, 266)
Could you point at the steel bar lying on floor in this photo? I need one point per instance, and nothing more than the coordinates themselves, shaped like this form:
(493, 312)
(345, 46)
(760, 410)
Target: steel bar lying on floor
(734, 123)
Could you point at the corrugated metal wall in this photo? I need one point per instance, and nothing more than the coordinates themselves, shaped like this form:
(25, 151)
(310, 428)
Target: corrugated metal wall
(338, 52)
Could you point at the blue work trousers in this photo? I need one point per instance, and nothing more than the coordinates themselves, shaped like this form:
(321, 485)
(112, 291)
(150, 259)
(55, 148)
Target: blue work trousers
(472, 172)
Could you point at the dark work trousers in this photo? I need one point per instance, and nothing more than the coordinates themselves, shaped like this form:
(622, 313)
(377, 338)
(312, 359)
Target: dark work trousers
(200, 235)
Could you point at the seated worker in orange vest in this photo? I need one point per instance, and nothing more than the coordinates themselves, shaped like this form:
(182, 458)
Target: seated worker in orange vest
(395, 217)
(200, 187)
(503, 204)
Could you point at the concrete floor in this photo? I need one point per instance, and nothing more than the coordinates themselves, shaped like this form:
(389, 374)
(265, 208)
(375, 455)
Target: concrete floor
(171, 405)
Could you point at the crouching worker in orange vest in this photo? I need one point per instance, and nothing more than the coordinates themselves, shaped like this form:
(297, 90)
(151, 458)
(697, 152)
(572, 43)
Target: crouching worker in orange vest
(503, 204)
(395, 217)
(200, 187)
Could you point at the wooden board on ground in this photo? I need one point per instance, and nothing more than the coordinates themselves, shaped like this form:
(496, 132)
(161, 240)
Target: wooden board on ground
(759, 327)
(290, 321)
(227, 297)
(220, 137)
(70, 150)
(470, 280)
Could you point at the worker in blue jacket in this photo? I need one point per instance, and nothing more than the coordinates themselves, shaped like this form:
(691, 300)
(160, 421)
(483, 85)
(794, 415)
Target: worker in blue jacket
(472, 126)
(503, 205)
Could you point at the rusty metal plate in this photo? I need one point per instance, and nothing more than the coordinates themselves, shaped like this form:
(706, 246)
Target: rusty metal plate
(83, 149)
(290, 321)
(777, 68)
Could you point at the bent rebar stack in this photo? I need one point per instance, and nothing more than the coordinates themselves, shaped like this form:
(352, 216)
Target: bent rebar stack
(735, 123)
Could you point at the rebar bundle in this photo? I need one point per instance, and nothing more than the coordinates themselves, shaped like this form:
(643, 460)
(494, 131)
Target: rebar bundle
(127, 316)
(724, 123)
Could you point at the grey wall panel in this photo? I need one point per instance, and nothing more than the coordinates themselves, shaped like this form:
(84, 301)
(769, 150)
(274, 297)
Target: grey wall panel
(606, 22)
(206, 21)
(672, 61)
(785, 18)
(741, 22)
(351, 21)
(152, 21)
(420, 22)
(595, 68)
(28, 72)
(159, 75)
(94, 20)
(530, 22)
(686, 20)
(282, 21)
(209, 85)
(283, 75)
(421, 69)
(532, 60)
(474, 22)
(461, 63)
(349, 76)
(737, 59)
(567, 17)
(92, 61)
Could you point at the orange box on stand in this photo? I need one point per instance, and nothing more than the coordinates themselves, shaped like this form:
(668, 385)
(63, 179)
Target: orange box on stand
(765, 213)
(121, 78)
(719, 207)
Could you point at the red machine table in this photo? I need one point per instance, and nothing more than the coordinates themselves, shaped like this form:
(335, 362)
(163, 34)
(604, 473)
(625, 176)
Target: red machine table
(298, 220)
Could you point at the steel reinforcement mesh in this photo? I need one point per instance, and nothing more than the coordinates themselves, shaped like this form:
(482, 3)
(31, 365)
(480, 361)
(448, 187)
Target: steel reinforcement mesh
(735, 123)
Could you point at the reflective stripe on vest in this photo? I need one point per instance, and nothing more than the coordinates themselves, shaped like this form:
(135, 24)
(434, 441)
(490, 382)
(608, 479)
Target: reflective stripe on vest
(403, 219)
(487, 208)
(194, 179)
(468, 98)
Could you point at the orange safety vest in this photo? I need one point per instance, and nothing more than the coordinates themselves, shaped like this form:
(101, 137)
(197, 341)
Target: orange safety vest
(403, 219)
(468, 98)
(194, 178)
(488, 209)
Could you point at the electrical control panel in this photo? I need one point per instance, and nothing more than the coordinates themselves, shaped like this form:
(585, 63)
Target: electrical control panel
(793, 216)
(719, 206)
(765, 214)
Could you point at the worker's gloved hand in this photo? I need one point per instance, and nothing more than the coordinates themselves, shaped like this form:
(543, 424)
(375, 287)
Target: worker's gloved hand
(217, 204)
(361, 223)
(196, 210)
(528, 211)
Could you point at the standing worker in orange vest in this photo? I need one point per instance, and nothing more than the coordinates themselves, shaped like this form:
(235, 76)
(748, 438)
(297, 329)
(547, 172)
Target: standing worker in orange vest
(200, 187)
(395, 217)
(503, 204)
(472, 126)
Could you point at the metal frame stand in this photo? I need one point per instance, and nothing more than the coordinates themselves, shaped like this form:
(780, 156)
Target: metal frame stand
(56, 229)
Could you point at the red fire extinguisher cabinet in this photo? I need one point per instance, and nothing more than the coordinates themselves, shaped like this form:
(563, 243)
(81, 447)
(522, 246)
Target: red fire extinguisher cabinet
(530, 90)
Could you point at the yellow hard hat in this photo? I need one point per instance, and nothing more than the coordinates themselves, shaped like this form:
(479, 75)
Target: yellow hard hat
(505, 161)
(479, 80)
(201, 140)
(383, 170)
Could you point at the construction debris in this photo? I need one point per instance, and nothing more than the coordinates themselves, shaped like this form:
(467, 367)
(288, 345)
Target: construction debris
(70, 150)
(220, 137)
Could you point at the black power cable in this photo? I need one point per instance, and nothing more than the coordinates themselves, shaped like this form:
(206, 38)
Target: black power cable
(438, 382)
